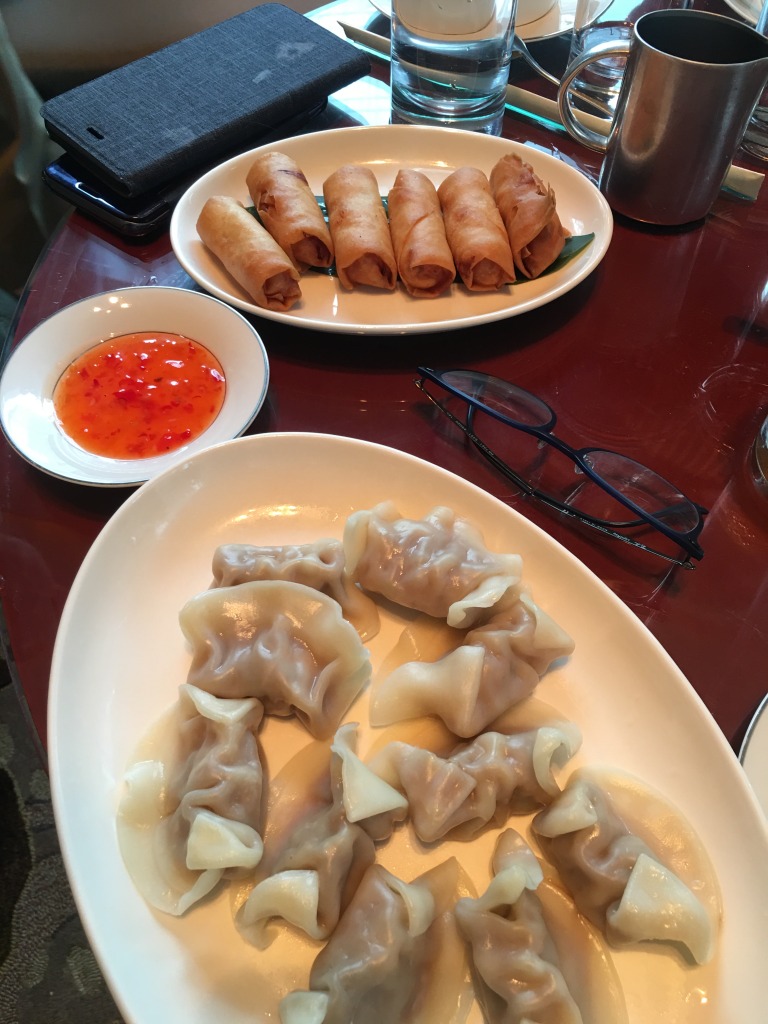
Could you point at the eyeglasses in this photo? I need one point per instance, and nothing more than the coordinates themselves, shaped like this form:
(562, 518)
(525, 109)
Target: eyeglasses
(610, 484)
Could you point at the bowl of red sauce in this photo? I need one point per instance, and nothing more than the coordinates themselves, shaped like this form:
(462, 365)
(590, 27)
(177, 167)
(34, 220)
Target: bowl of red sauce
(113, 389)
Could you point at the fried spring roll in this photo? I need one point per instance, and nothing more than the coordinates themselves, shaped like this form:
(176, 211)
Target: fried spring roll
(249, 253)
(527, 207)
(475, 231)
(424, 259)
(289, 211)
(359, 229)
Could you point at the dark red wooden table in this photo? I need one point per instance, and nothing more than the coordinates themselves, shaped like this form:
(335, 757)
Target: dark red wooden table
(662, 354)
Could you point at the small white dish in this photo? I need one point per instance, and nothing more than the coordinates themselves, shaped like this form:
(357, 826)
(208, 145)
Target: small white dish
(36, 364)
(754, 754)
(325, 305)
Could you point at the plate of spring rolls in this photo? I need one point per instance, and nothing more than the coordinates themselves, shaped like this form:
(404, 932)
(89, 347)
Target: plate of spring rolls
(391, 230)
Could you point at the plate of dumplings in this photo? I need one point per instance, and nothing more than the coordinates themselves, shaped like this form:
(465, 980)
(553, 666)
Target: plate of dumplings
(319, 742)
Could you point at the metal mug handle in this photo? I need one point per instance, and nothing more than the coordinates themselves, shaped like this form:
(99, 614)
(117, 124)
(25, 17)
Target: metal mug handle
(578, 129)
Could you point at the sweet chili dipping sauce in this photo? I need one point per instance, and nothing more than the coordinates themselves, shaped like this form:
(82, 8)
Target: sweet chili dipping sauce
(139, 395)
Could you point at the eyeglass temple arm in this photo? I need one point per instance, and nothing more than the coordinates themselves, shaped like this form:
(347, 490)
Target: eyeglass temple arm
(533, 492)
(490, 455)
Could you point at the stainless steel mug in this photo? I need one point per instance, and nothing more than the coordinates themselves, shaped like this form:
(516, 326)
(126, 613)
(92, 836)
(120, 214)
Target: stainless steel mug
(691, 83)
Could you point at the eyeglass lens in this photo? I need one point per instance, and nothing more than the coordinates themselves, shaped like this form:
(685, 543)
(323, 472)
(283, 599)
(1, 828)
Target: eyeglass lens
(646, 489)
(513, 402)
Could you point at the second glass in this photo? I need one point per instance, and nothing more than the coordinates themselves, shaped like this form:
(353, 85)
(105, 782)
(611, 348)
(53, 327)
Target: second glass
(756, 137)
(608, 21)
(450, 62)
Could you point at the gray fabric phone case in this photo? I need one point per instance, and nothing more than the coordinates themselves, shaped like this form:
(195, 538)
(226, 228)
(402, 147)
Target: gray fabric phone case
(163, 115)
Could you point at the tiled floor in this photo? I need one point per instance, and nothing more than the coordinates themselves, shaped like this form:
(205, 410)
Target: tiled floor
(48, 974)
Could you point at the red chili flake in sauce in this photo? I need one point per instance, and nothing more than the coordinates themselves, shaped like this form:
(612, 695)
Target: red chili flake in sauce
(139, 395)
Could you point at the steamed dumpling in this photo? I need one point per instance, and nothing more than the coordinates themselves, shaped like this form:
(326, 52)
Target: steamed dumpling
(316, 857)
(618, 880)
(479, 783)
(530, 961)
(497, 666)
(279, 641)
(192, 813)
(394, 958)
(318, 564)
(517, 966)
(438, 565)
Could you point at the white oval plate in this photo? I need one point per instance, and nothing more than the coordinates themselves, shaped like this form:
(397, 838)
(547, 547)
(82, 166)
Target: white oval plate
(325, 305)
(754, 754)
(30, 376)
(557, 20)
(634, 707)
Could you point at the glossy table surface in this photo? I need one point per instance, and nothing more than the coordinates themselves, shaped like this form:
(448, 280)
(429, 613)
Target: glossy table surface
(661, 353)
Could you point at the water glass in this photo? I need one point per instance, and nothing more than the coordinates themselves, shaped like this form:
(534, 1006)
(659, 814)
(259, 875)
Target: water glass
(607, 21)
(450, 62)
(756, 136)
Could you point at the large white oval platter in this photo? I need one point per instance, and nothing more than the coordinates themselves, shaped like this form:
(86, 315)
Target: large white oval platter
(120, 656)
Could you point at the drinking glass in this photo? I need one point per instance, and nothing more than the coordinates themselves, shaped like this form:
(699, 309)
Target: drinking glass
(756, 135)
(607, 21)
(450, 62)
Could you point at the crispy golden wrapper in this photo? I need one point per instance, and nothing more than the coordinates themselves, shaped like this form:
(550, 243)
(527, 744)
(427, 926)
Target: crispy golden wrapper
(249, 253)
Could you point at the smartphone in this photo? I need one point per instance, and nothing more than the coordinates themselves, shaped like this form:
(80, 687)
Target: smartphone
(145, 215)
(133, 218)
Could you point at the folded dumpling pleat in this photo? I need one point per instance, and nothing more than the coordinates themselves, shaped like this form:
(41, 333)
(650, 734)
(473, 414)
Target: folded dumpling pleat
(304, 1008)
(293, 896)
(367, 798)
(656, 905)
(216, 842)
(282, 642)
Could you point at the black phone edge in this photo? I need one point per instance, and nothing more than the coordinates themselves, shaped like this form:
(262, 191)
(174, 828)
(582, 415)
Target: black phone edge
(147, 215)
